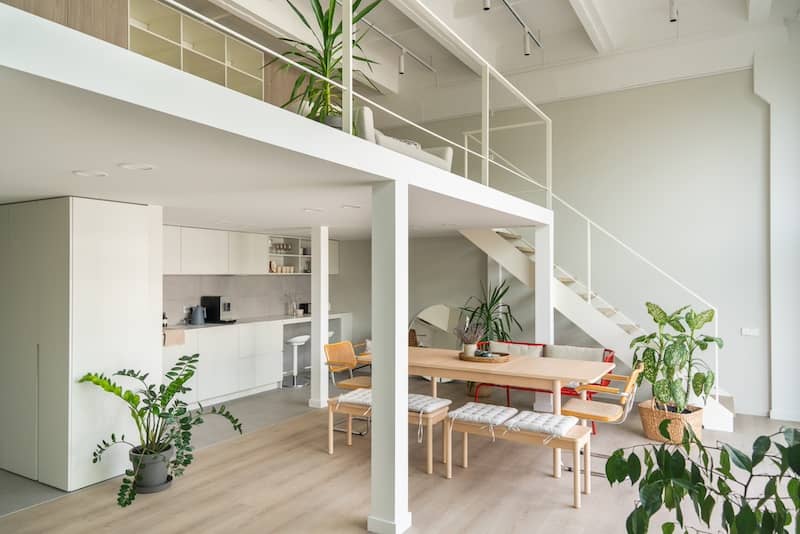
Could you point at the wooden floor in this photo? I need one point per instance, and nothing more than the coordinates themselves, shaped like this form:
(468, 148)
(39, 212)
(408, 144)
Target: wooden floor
(281, 479)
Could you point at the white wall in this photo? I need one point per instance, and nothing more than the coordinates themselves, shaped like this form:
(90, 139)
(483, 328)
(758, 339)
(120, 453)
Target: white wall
(680, 172)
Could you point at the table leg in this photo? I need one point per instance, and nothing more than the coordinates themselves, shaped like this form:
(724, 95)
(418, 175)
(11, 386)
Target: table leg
(448, 436)
(465, 451)
(330, 429)
(349, 430)
(557, 411)
(434, 383)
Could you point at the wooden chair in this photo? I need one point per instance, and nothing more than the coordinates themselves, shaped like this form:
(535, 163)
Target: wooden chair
(341, 357)
(606, 412)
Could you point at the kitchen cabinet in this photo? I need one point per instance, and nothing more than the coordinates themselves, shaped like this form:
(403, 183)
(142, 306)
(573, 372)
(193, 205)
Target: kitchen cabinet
(170, 357)
(204, 251)
(81, 279)
(172, 249)
(248, 253)
(260, 354)
(218, 373)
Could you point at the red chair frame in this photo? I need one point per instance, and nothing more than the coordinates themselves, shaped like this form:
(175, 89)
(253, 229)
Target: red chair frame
(608, 357)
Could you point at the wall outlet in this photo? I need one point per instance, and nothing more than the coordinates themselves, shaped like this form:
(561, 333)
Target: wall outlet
(754, 332)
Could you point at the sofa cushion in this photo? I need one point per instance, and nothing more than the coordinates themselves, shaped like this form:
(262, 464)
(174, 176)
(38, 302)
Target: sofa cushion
(568, 352)
(543, 423)
(487, 414)
(516, 349)
(425, 403)
(361, 397)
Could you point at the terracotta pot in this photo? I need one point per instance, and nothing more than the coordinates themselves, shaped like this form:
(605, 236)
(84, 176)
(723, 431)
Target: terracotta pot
(651, 420)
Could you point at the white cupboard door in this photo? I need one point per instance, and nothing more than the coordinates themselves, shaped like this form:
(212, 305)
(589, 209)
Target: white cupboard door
(170, 357)
(204, 251)
(219, 351)
(333, 257)
(172, 250)
(249, 253)
(269, 361)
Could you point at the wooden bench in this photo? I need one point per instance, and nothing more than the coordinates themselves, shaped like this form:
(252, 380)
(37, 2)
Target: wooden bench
(577, 439)
(425, 420)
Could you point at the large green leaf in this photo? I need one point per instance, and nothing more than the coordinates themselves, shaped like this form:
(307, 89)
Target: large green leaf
(650, 365)
(698, 383)
(678, 395)
(634, 468)
(676, 353)
(709, 382)
(761, 446)
(703, 318)
(657, 313)
(739, 459)
(661, 389)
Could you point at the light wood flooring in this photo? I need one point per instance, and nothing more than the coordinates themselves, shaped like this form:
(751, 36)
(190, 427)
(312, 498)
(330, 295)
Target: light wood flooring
(281, 479)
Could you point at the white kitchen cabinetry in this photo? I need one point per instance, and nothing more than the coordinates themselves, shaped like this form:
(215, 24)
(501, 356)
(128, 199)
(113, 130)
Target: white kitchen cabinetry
(78, 287)
(217, 371)
(333, 257)
(172, 249)
(260, 354)
(204, 251)
(248, 253)
(170, 357)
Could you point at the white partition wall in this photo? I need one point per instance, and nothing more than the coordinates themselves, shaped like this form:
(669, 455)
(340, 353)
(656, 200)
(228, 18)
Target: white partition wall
(389, 507)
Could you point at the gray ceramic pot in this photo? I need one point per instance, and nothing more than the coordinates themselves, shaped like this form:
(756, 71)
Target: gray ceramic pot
(153, 475)
(334, 121)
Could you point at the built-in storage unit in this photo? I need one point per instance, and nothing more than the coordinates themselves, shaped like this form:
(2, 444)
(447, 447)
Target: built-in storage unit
(202, 251)
(81, 286)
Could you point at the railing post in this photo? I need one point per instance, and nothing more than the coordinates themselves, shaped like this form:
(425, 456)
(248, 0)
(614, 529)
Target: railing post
(347, 66)
(716, 356)
(588, 261)
(548, 161)
(485, 83)
(466, 156)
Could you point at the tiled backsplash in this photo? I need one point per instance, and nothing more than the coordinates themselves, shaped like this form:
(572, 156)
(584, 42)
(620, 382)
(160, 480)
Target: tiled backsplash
(252, 296)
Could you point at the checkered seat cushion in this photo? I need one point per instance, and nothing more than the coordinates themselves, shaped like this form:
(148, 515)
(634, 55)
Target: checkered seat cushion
(361, 397)
(487, 414)
(542, 423)
(425, 403)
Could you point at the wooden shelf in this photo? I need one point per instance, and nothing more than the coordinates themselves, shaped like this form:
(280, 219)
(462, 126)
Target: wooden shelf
(155, 47)
(203, 66)
(203, 40)
(245, 59)
(156, 18)
(245, 84)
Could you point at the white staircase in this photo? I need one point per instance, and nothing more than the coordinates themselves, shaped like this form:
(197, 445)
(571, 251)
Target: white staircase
(586, 309)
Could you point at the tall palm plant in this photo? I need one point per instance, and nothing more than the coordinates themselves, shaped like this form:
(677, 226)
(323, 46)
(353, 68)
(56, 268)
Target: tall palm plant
(491, 313)
(316, 98)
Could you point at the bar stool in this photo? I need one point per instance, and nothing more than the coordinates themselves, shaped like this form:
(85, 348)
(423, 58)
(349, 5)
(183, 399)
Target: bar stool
(295, 342)
(308, 367)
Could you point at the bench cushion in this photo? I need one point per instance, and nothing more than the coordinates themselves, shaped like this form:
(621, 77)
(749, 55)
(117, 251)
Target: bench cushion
(488, 414)
(516, 349)
(425, 403)
(361, 397)
(568, 352)
(542, 423)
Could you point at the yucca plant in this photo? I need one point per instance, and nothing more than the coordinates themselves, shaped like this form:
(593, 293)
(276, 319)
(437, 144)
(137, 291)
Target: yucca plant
(489, 311)
(315, 97)
(163, 421)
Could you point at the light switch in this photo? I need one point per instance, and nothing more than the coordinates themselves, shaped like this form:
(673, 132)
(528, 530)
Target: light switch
(755, 332)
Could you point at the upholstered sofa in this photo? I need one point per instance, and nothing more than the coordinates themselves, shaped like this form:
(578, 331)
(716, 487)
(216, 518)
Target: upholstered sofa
(441, 157)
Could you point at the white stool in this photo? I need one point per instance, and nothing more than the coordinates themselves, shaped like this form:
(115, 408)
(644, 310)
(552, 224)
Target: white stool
(295, 342)
(330, 335)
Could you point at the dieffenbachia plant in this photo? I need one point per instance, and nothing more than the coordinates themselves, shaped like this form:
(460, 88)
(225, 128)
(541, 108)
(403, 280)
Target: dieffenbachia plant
(162, 419)
(756, 492)
(668, 354)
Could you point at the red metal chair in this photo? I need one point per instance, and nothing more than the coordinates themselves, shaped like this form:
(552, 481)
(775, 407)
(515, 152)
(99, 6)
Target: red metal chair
(608, 356)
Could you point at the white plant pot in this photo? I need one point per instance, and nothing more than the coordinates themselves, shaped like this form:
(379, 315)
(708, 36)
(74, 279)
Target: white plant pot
(469, 350)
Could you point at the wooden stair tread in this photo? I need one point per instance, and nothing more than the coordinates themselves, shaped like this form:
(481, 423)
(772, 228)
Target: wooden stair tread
(511, 236)
(525, 249)
(629, 328)
(608, 312)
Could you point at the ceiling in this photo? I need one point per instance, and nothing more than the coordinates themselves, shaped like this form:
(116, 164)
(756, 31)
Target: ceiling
(202, 177)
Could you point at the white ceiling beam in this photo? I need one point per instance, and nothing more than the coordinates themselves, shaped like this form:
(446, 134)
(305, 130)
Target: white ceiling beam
(596, 28)
(758, 10)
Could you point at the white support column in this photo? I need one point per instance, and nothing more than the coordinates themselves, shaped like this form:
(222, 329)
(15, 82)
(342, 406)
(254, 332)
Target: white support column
(544, 330)
(389, 481)
(319, 316)
(486, 80)
(347, 66)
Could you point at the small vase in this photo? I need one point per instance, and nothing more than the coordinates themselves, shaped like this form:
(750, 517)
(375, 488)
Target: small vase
(469, 349)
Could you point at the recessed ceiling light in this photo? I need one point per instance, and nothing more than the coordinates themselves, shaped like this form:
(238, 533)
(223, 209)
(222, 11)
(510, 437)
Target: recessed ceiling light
(136, 166)
(88, 173)
(313, 210)
(350, 206)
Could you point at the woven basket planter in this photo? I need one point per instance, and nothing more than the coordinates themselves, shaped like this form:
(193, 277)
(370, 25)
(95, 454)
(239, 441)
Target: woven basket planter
(652, 417)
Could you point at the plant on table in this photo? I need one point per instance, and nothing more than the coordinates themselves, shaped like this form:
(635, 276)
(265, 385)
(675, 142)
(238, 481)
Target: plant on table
(490, 312)
(163, 422)
(469, 334)
(317, 98)
(756, 492)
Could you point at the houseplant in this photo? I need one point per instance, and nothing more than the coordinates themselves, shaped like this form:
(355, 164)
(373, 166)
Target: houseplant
(469, 333)
(674, 370)
(314, 97)
(758, 492)
(164, 425)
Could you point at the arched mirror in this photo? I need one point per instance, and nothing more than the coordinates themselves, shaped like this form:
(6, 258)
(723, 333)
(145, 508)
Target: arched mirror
(433, 327)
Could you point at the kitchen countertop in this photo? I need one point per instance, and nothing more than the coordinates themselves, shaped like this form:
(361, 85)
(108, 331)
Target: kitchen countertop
(285, 319)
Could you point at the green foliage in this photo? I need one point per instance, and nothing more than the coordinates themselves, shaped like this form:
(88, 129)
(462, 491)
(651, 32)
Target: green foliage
(318, 98)
(717, 478)
(669, 358)
(491, 313)
(162, 419)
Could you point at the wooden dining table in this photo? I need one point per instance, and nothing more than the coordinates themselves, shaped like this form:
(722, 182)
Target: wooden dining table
(548, 374)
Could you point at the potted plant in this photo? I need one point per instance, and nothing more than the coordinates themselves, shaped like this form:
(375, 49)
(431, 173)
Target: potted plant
(469, 334)
(493, 315)
(164, 424)
(758, 492)
(314, 97)
(674, 370)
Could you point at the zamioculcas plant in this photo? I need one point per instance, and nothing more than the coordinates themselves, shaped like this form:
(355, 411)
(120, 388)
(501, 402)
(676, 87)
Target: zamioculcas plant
(491, 313)
(669, 356)
(743, 493)
(163, 422)
(317, 98)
